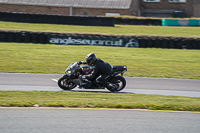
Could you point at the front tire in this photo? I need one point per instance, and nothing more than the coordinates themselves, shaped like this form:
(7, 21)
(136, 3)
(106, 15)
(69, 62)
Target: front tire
(66, 84)
(119, 82)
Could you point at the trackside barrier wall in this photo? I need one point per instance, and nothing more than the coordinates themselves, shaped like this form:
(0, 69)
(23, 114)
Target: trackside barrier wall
(92, 20)
(180, 22)
(57, 19)
(74, 20)
(194, 22)
(131, 21)
(100, 40)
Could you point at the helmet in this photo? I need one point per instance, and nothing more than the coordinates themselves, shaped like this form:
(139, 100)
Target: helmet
(90, 59)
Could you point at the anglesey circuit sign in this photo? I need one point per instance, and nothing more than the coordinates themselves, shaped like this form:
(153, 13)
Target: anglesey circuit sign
(99, 42)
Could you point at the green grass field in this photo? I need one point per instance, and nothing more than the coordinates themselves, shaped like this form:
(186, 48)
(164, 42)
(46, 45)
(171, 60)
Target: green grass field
(118, 29)
(141, 62)
(97, 100)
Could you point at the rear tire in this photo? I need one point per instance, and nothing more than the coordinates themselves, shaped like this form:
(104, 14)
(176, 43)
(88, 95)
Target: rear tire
(66, 84)
(120, 83)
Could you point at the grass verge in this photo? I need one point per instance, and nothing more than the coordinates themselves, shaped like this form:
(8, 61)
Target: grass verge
(118, 29)
(97, 100)
(141, 62)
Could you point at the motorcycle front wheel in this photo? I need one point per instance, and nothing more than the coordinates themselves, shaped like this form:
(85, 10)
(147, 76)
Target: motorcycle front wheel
(66, 84)
(119, 83)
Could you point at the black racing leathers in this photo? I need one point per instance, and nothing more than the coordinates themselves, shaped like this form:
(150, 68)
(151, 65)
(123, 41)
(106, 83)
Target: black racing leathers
(100, 72)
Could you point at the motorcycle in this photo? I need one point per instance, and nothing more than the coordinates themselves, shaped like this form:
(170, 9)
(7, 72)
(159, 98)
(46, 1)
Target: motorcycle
(74, 76)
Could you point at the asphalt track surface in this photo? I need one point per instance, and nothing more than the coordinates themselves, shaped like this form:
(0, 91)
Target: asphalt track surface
(48, 120)
(62, 120)
(47, 82)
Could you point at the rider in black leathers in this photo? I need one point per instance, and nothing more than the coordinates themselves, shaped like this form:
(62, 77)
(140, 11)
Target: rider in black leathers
(100, 71)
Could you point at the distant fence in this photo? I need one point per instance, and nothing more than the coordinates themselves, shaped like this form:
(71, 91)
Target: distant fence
(100, 40)
(57, 19)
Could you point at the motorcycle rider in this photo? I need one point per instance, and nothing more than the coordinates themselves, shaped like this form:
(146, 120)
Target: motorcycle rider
(101, 69)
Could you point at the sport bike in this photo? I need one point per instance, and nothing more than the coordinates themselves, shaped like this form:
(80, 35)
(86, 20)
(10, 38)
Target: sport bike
(74, 76)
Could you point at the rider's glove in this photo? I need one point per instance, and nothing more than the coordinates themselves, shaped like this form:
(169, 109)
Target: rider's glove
(79, 62)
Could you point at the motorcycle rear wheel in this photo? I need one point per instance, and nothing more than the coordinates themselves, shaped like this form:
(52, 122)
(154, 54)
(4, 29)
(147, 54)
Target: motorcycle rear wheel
(66, 84)
(120, 83)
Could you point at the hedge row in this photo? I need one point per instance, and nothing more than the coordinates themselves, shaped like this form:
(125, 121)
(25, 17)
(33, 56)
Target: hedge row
(105, 40)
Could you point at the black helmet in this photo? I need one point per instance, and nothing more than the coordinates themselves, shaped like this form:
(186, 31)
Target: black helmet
(90, 59)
